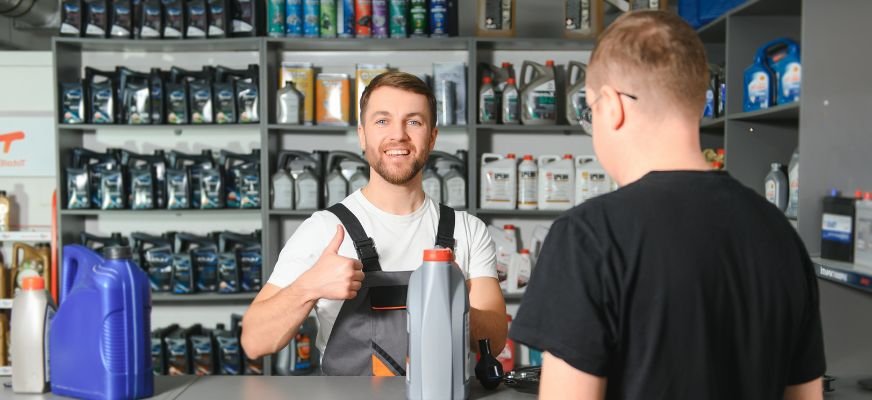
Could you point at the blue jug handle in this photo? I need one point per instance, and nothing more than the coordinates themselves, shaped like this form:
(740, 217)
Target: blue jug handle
(790, 43)
(74, 256)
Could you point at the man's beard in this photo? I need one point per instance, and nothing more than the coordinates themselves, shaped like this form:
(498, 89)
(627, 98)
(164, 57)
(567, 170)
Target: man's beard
(397, 176)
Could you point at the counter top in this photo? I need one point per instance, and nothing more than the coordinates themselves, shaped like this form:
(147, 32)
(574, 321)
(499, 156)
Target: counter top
(331, 387)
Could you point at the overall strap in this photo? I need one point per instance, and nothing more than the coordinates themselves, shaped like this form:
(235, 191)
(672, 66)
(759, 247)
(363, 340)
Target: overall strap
(445, 232)
(362, 242)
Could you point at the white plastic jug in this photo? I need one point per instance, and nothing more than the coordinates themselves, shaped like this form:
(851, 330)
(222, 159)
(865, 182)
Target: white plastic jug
(499, 181)
(556, 182)
(591, 179)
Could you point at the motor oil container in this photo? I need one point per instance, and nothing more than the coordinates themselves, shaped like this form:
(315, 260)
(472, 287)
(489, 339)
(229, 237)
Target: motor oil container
(510, 106)
(155, 255)
(538, 94)
(520, 270)
(86, 174)
(282, 189)
(198, 167)
(159, 353)
(6, 283)
(290, 105)
(359, 179)
(242, 180)
(304, 169)
(228, 353)
(31, 322)
(487, 102)
(528, 184)
(556, 182)
(203, 349)
(432, 183)
(180, 360)
(5, 341)
(29, 261)
(499, 180)
(776, 187)
(438, 328)
(247, 252)
(783, 58)
(863, 231)
(793, 186)
(5, 211)
(506, 245)
(212, 186)
(100, 335)
(454, 186)
(576, 95)
(837, 227)
(203, 253)
(591, 179)
(97, 243)
(759, 88)
(337, 180)
(296, 357)
(147, 179)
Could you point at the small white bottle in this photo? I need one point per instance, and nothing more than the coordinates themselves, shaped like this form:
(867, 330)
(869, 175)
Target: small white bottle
(510, 106)
(528, 184)
(31, 319)
(290, 105)
(776, 187)
(487, 102)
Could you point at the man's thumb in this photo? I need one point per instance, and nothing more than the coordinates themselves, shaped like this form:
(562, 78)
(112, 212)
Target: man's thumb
(333, 246)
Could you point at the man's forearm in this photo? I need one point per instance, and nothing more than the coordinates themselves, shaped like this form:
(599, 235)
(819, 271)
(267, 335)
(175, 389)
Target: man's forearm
(270, 324)
(484, 324)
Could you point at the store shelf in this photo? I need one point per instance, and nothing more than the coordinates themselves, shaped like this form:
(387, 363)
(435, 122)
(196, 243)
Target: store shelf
(712, 123)
(785, 112)
(227, 128)
(569, 129)
(527, 44)
(850, 275)
(368, 44)
(519, 213)
(161, 213)
(5, 304)
(310, 128)
(157, 45)
(291, 213)
(24, 236)
(6, 371)
(170, 298)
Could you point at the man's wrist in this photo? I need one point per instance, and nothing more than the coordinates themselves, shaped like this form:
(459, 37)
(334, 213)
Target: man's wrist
(305, 292)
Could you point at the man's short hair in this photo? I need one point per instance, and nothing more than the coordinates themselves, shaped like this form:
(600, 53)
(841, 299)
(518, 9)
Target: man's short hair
(660, 51)
(403, 81)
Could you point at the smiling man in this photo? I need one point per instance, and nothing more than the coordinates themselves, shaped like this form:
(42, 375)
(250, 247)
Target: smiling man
(356, 282)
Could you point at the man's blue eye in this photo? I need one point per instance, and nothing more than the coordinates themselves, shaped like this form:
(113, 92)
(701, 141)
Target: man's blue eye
(381, 122)
(416, 123)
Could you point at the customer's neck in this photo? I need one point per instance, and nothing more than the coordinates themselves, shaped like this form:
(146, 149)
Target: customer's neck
(671, 146)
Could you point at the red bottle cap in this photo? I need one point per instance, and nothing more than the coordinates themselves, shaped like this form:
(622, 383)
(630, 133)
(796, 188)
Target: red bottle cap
(858, 194)
(510, 81)
(33, 283)
(486, 80)
(721, 152)
(508, 226)
(567, 156)
(438, 255)
(867, 196)
(511, 155)
(549, 63)
(525, 251)
(506, 64)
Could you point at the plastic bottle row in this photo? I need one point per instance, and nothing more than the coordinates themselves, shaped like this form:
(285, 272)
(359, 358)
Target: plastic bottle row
(532, 100)
(515, 263)
(196, 350)
(156, 19)
(213, 95)
(361, 18)
(308, 98)
(121, 179)
(550, 182)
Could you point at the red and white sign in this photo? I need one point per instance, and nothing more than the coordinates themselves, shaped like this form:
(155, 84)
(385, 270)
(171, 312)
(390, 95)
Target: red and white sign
(27, 146)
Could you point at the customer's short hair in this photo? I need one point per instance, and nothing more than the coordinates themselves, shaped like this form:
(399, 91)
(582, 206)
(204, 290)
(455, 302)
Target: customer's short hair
(659, 50)
(403, 81)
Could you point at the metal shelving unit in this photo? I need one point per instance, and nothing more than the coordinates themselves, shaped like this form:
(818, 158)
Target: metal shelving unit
(851, 275)
(232, 298)
(783, 112)
(185, 127)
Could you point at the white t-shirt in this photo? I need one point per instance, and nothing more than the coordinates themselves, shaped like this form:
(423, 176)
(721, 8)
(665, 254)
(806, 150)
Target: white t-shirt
(399, 239)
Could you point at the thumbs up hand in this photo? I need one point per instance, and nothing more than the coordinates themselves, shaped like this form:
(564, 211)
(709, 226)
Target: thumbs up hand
(333, 276)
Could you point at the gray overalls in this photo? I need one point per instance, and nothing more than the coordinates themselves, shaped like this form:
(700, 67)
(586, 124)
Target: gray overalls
(369, 336)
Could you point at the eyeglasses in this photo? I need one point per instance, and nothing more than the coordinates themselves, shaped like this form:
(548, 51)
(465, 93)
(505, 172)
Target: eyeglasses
(587, 115)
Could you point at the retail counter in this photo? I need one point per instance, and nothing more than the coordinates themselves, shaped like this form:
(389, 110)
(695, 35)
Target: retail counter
(338, 388)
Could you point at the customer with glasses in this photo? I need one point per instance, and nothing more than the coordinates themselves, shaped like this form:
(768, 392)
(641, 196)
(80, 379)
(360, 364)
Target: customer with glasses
(683, 284)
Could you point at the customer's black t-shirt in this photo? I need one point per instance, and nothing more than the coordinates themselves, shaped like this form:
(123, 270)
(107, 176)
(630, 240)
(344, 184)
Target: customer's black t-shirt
(681, 285)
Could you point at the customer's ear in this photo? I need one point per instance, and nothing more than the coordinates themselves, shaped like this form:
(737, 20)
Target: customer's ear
(612, 108)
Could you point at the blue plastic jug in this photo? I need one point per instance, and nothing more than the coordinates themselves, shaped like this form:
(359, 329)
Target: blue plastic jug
(100, 335)
(782, 56)
(775, 77)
